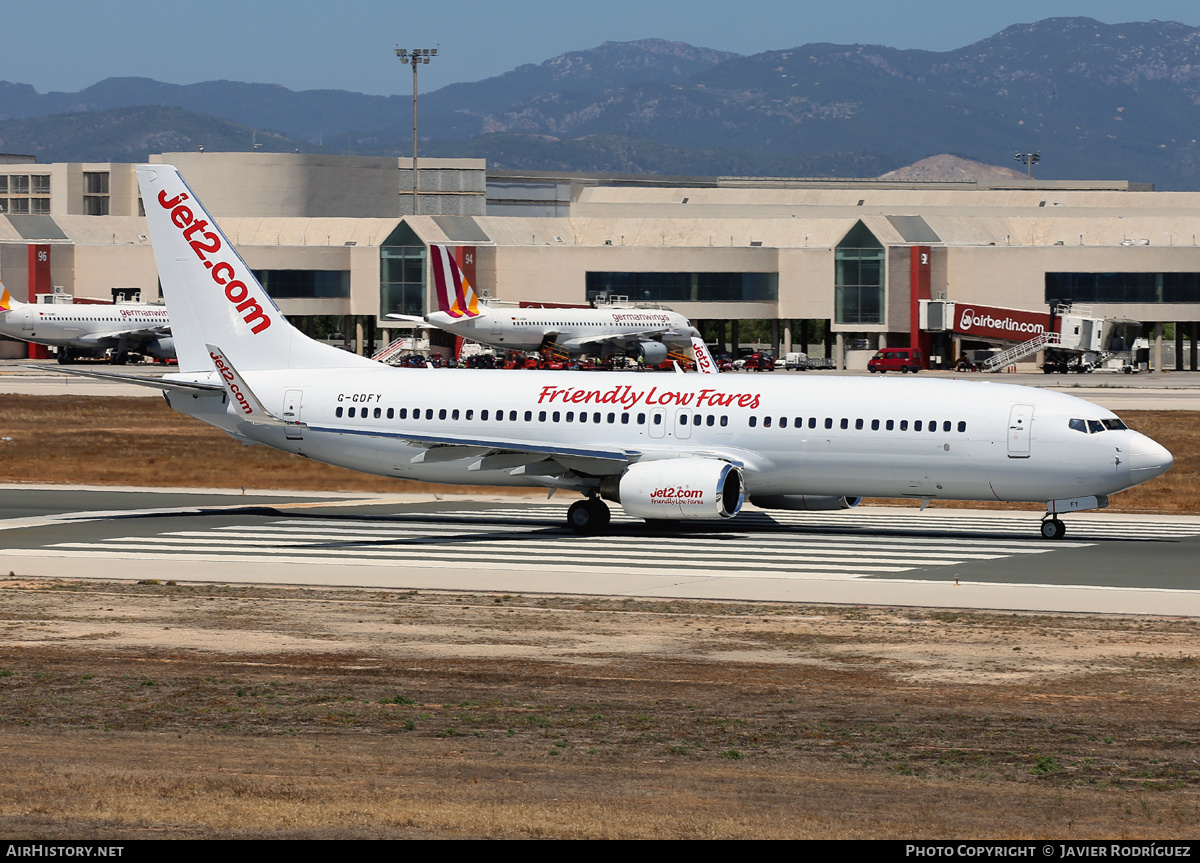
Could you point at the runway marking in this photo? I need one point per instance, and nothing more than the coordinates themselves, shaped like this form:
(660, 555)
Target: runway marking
(533, 538)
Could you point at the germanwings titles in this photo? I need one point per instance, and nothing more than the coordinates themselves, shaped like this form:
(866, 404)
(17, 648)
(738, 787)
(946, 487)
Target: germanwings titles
(663, 446)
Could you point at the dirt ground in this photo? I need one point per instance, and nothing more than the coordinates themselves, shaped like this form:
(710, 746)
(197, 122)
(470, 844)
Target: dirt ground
(142, 710)
(158, 710)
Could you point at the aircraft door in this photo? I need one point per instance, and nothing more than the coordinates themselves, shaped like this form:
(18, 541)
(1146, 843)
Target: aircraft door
(683, 423)
(658, 422)
(293, 401)
(1020, 420)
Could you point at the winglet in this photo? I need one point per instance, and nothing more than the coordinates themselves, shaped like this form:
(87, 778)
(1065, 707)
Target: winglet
(704, 360)
(240, 394)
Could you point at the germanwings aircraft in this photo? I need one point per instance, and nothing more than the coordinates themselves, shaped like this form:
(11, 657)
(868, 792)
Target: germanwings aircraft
(647, 333)
(88, 330)
(664, 446)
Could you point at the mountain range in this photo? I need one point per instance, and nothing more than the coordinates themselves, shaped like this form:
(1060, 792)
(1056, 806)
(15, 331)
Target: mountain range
(1098, 101)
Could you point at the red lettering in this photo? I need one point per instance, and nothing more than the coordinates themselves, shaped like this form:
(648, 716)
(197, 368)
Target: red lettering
(182, 217)
(167, 205)
(235, 296)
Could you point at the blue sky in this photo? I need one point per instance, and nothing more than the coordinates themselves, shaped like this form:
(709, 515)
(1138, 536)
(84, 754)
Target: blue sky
(69, 44)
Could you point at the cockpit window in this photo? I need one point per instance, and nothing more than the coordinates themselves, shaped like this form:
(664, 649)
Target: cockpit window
(1114, 425)
(1079, 426)
(1095, 426)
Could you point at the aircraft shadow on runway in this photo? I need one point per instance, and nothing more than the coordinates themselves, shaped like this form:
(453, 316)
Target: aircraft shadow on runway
(746, 523)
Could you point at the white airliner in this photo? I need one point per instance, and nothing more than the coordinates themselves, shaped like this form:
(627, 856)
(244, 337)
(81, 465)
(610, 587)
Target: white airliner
(89, 330)
(664, 446)
(647, 333)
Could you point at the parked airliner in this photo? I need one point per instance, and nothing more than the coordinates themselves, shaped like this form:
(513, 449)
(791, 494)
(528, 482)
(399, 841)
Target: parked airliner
(648, 333)
(664, 446)
(84, 329)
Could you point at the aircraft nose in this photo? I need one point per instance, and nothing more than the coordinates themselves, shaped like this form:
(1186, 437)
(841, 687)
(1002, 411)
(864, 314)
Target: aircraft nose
(1148, 458)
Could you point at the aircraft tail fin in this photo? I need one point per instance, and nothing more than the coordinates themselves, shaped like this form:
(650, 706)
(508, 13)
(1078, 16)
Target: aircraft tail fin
(7, 303)
(455, 296)
(213, 296)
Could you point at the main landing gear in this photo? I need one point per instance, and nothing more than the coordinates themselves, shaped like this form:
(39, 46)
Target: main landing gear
(589, 516)
(1052, 528)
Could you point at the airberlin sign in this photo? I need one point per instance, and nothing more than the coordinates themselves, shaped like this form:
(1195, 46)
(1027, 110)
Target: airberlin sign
(989, 322)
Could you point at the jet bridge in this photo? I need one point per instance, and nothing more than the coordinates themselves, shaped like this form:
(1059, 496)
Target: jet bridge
(1072, 337)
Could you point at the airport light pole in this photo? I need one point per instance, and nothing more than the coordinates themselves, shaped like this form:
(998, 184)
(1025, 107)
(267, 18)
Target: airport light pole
(1030, 159)
(416, 57)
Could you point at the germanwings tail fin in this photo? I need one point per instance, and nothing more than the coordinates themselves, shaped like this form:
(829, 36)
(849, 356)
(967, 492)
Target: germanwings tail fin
(7, 303)
(455, 296)
(211, 293)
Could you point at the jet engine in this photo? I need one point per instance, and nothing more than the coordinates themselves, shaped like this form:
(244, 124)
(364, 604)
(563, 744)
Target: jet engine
(161, 348)
(652, 353)
(678, 488)
(808, 502)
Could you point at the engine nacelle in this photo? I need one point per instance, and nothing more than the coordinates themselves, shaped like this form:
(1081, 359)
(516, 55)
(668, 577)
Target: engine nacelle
(807, 502)
(162, 348)
(679, 488)
(652, 353)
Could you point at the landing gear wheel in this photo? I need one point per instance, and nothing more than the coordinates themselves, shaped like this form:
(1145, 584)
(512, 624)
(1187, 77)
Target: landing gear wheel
(1052, 528)
(588, 516)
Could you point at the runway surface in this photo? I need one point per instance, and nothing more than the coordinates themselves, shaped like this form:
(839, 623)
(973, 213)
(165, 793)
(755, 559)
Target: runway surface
(950, 558)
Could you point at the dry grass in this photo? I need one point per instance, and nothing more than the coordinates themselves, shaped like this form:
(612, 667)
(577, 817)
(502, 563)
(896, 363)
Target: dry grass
(139, 441)
(342, 713)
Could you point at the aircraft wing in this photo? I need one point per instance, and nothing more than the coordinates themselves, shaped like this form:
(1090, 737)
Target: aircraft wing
(137, 380)
(115, 336)
(613, 338)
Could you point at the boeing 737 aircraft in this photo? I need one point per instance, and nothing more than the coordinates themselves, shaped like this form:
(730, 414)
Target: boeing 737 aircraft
(647, 333)
(664, 446)
(89, 330)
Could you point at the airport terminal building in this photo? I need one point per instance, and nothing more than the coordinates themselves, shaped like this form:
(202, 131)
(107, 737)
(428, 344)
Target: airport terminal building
(838, 267)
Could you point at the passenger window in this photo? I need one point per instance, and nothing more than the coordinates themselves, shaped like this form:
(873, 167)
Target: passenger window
(442, 414)
(891, 424)
(391, 413)
(641, 419)
(724, 421)
(403, 413)
(812, 422)
(351, 413)
(512, 416)
(454, 414)
(962, 426)
(499, 416)
(470, 414)
(710, 420)
(583, 416)
(570, 416)
(874, 425)
(483, 415)
(903, 425)
(798, 422)
(338, 412)
(625, 418)
(828, 422)
(612, 418)
(946, 426)
(858, 424)
(658, 419)
(917, 425)
(753, 421)
(596, 417)
(783, 422)
(541, 416)
(845, 423)
(556, 416)
(378, 413)
(428, 413)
